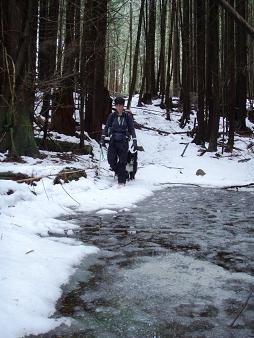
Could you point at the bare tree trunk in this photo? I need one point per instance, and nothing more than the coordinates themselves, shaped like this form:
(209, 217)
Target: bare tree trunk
(241, 70)
(230, 80)
(161, 71)
(130, 33)
(18, 31)
(237, 16)
(191, 47)
(168, 98)
(93, 49)
(214, 109)
(43, 59)
(136, 54)
(250, 55)
(200, 39)
(150, 90)
(77, 35)
(47, 54)
(123, 67)
(142, 88)
(194, 49)
(185, 65)
(60, 38)
(63, 103)
(176, 56)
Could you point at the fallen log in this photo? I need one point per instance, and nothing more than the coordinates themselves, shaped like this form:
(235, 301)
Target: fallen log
(23, 178)
(244, 160)
(161, 132)
(239, 186)
(8, 175)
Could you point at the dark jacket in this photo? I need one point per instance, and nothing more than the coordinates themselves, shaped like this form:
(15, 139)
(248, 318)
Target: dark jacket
(119, 128)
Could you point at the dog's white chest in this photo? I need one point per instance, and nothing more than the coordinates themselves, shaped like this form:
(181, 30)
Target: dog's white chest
(129, 166)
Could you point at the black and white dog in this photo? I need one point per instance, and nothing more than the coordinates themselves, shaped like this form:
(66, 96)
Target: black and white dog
(132, 164)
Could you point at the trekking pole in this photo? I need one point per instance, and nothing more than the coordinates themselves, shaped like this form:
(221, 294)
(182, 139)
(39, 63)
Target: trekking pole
(101, 154)
(101, 159)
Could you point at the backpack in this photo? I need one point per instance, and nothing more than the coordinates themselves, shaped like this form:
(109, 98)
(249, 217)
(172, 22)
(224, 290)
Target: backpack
(118, 132)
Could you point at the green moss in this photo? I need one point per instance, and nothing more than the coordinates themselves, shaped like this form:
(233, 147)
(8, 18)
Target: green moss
(63, 146)
(69, 174)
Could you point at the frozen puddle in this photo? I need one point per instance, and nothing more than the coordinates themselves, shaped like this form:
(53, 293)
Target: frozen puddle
(180, 264)
(173, 295)
(168, 296)
(178, 288)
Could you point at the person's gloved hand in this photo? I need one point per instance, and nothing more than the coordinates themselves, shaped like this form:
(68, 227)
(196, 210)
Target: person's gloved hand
(134, 145)
(102, 141)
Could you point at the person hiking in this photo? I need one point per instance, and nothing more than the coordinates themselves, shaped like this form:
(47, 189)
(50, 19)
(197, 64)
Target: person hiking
(119, 128)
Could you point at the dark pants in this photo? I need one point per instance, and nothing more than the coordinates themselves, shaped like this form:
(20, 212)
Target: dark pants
(117, 158)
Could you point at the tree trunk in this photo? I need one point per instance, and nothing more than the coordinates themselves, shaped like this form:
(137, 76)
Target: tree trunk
(63, 103)
(77, 35)
(176, 56)
(185, 65)
(136, 54)
(213, 51)
(200, 39)
(251, 56)
(168, 98)
(93, 60)
(194, 49)
(150, 90)
(230, 80)
(16, 106)
(161, 72)
(47, 54)
(130, 49)
(237, 16)
(123, 67)
(60, 38)
(241, 70)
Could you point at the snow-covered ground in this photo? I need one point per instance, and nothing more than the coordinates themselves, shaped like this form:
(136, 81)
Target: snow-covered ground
(34, 266)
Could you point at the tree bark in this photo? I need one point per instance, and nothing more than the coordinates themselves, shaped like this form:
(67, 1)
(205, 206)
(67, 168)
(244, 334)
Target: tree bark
(241, 70)
(136, 54)
(161, 72)
(63, 103)
(200, 39)
(150, 90)
(229, 62)
(237, 17)
(168, 98)
(93, 60)
(214, 108)
(16, 106)
(47, 54)
(185, 65)
(176, 55)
